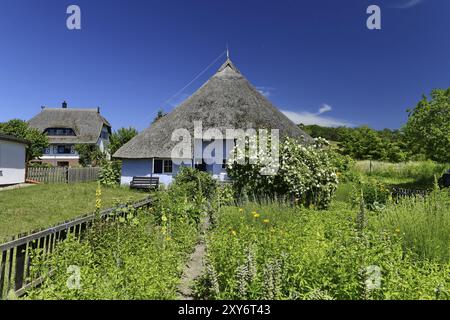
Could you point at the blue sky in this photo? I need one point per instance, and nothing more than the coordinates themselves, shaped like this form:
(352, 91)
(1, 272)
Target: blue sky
(314, 59)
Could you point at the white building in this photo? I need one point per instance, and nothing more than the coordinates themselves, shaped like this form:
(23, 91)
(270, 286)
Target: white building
(12, 160)
(67, 127)
(226, 101)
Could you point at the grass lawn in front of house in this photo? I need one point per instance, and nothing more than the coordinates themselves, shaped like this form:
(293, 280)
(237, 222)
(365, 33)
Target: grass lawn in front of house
(44, 205)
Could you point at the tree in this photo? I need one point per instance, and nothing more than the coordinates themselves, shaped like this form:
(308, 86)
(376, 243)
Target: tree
(159, 115)
(120, 137)
(90, 155)
(428, 126)
(20, 129)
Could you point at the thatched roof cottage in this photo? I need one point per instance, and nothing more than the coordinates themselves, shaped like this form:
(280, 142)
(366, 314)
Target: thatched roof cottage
(225, 101)
(66, 127)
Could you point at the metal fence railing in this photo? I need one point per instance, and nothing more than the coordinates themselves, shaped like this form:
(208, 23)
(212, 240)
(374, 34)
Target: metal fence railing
(15, 260)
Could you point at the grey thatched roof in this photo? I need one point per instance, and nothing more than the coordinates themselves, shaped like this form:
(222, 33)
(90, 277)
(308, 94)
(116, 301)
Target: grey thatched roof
(7, 137)
(225, 101)
(86, 123)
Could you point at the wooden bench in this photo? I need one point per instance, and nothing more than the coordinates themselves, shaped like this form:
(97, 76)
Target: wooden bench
(144, 183)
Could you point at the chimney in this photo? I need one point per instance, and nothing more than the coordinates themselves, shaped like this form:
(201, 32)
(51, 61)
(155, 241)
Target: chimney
(64, 105)
(98, 110)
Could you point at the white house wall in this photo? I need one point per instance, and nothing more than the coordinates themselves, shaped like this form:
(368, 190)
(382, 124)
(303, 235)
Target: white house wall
(144, 168)
(12, 163)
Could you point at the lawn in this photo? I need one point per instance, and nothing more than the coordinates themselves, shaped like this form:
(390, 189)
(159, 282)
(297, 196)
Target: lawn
(27, 209)
(409, 175)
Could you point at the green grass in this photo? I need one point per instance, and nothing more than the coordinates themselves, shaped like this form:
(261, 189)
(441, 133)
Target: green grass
(282, 252)
(424, 224)
(27, 209)
(409, 175)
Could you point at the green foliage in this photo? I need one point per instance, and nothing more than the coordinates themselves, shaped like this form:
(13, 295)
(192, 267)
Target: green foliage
(194, 181)
(280, 252)
(374, 193)
(109, 174)
(412, 175)
(428, 127)
(365, 143)
(120, 137)
(90, 155)
(39, 165)
(20, 129)
(131, 257)
(305, 172)
(423, 224)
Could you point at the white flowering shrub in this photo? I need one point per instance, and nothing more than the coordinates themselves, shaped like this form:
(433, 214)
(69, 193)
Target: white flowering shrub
(305, 173)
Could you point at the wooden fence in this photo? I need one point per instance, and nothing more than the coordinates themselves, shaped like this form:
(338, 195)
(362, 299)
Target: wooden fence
(63, 175)
(15, 260)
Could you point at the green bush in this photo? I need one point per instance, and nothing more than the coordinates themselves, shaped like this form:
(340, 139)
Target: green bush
(306, 173)
(194, 181)
(109, 175)
(374, 193)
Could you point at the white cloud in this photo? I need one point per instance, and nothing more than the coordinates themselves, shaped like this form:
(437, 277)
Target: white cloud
(309, 118)
(265, 91)
(406, 4)
(324, 108)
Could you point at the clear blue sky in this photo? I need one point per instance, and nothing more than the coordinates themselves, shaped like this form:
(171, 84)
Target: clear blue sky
(132, 55)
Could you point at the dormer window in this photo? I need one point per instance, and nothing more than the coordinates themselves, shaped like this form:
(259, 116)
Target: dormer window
(59, 132)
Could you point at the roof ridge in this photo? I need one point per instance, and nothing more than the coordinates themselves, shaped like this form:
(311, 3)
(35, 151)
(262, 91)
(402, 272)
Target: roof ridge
(230, 64)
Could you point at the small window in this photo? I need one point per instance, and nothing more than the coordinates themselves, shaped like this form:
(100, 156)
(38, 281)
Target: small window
(158, 166)
(167, 166)
(64, 149)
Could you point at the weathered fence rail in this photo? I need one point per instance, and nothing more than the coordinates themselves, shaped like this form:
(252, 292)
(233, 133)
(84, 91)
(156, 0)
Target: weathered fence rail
(63, 175)
(15, 259)
(400, 193)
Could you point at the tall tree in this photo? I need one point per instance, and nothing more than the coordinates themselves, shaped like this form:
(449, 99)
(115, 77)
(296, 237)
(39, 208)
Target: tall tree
(120, 137)
(20, 129)
(428, 126)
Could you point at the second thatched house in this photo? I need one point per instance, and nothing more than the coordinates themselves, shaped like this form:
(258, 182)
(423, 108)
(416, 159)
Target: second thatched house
(225, 101)
(66, 127)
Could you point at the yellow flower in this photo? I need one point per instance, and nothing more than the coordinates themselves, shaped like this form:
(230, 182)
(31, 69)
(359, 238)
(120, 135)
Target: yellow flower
(233, 232)
(168, 238)
(256, 215)
(241, 210)
(266, 220)
(397, 230)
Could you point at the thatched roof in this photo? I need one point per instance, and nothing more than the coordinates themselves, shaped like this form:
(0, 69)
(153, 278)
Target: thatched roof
(86, 123)
(226, 101)
(7, 137)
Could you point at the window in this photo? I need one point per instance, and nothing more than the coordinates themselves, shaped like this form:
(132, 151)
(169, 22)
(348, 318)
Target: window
(59, 132)
(167, 166)
(104, 135)
(162, 166)
(224, 163)
(64, 149)
(158, 166)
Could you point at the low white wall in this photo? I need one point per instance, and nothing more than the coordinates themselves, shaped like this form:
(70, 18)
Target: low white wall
(12, 163)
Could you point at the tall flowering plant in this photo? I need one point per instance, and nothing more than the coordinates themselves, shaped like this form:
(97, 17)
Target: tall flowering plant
(306, 173)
